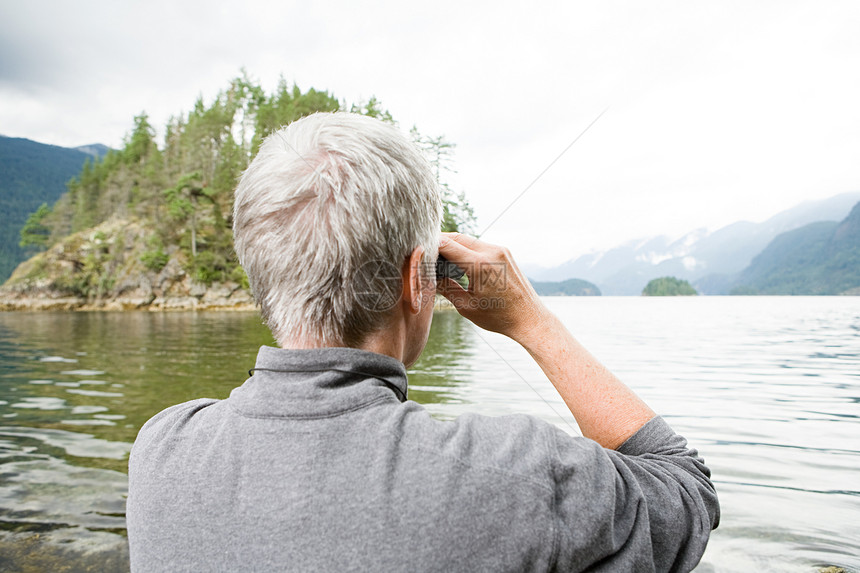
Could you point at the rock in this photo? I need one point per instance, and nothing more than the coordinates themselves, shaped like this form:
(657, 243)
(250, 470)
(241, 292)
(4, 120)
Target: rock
(197, 289)
(216, 294)
(174, 303)
(130, 303)
(102, 269)
(242, 297)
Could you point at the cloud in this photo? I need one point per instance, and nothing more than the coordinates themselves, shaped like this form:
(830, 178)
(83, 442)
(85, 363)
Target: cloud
(718, 111)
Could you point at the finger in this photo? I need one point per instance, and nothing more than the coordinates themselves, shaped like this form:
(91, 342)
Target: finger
(457, 253)
(466, 240)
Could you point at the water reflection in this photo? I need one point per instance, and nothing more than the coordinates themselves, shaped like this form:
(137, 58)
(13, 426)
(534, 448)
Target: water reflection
(77, 388)
(127, 366)
(444, 366)
(767, 388)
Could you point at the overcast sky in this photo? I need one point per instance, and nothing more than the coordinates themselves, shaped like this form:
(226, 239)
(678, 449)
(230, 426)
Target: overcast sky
(717, 111)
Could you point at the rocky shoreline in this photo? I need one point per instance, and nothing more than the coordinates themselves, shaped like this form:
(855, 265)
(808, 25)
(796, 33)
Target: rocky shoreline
(169, 290)
(124, 304)
(103, 269)
(211, 300)
(108, 261)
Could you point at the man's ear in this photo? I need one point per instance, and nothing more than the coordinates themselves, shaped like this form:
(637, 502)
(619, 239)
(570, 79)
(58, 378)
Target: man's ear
(412, 274)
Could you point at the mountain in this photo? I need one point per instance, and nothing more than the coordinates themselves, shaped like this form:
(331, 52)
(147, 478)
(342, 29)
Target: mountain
(710, 261)
(570, 287)
(31, 173)
(818, 259)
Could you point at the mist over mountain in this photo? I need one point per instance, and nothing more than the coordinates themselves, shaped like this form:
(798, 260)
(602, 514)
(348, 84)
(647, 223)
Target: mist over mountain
(710, 261)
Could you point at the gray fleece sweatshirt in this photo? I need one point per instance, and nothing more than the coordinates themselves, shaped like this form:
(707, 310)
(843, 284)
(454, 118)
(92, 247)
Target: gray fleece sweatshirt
(319, 463)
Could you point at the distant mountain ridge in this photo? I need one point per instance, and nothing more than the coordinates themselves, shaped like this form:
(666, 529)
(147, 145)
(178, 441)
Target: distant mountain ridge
(570, 287)
(821, 258)
(708, 260)
(32, 173)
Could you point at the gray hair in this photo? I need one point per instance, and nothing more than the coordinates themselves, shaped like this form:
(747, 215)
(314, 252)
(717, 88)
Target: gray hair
(324, 218)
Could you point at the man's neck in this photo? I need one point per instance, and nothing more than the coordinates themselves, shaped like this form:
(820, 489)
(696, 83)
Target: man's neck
(389, 341)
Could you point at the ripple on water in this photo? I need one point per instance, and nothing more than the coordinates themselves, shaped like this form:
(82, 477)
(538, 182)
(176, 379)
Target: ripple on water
(95, 393)
(80, 383)
(78, 515)
(73, 443)
(83, 372)
(89, 409)
(110, 416)
(41, 403)
(58, 359)
(88, 422)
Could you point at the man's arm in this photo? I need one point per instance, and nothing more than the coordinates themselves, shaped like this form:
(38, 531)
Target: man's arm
(606, 410)
(649, 505)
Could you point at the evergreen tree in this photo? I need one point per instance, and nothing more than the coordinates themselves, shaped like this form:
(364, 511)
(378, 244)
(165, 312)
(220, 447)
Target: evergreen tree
(372, 108)
(182, 200)
(35, 233)
(457, 214)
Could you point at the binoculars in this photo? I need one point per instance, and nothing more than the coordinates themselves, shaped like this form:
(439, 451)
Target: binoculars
(445, 268)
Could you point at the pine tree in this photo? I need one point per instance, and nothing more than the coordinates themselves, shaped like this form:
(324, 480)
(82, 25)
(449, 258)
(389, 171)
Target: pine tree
(35, 233)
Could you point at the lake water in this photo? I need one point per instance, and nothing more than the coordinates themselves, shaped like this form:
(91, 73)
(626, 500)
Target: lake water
(767, 388)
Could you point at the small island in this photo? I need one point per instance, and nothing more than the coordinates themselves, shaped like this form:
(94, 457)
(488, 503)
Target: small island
(668, 286)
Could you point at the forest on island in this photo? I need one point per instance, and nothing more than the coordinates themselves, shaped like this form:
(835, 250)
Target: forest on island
(668, 286)
(181, 190)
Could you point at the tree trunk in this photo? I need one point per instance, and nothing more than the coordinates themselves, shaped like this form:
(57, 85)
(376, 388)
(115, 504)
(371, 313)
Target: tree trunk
(193, 226)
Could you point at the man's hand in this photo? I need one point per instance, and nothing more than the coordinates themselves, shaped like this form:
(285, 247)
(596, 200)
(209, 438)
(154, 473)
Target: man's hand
(499, 297)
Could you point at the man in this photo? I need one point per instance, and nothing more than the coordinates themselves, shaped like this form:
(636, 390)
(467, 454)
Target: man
(318, 462)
